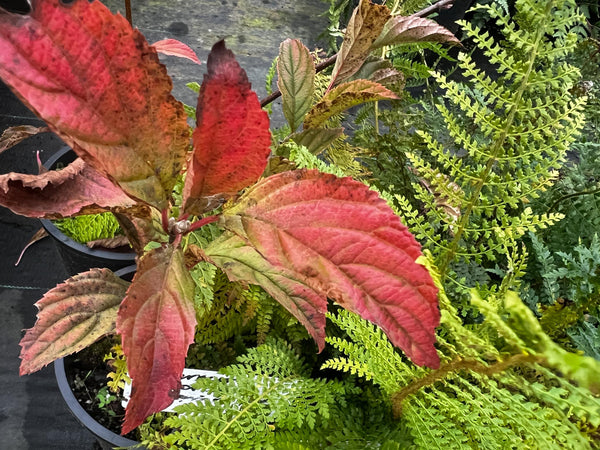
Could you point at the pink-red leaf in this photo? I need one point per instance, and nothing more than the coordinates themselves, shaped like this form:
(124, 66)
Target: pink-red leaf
(345, 96)
(156, 322)
(173, 47)
(232, 139)
(410, 29)
(99, 85)
(76, 189)
(364, 27)
(341, 240)
(72, 316)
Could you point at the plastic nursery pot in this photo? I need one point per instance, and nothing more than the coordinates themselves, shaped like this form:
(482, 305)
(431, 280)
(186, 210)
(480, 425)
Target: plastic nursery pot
(77, 257)
(105, 437)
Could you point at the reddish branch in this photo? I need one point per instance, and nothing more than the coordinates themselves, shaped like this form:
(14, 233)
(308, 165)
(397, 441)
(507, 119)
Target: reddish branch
(438, 6)
(128, 12)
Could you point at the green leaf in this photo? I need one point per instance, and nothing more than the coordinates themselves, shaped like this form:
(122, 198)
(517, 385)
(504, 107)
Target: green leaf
(317, 139)
(296, 71)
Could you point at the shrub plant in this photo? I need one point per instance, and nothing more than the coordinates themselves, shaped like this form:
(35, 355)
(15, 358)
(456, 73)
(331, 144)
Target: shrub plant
(302, 235)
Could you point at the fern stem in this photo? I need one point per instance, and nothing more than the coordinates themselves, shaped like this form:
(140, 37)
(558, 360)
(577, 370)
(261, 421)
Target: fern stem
(455, 366)
(494, 152)
(568, 196)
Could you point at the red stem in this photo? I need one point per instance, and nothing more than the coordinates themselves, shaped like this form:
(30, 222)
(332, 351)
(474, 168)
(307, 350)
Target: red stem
(200, 223)
(164, 215)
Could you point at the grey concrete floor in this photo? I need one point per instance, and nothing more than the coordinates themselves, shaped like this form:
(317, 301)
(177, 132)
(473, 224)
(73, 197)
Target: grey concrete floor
(32, 413)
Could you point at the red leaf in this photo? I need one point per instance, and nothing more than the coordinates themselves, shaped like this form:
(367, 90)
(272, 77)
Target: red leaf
(99, 85)
(173, 47)
(156, 322)
(76, 189)
(344, 242)
(72, 316)
(232, 139)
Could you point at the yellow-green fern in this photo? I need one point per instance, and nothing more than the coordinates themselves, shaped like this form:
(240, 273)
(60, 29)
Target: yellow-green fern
(510, 136)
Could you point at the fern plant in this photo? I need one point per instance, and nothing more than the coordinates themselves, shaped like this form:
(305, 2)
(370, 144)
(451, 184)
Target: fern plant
(504, 382)
(518, 129)
(90, 227)
(494, 389)
(268, 392)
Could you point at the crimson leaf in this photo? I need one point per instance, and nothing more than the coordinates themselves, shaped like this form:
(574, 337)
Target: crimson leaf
(99, 85)
(232, 139)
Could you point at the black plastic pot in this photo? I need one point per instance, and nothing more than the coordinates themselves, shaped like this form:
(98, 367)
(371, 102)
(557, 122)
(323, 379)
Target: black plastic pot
(77, 257)
(105, 437)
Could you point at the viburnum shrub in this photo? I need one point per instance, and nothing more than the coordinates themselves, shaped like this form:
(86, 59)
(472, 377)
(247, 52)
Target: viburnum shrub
(302, 235)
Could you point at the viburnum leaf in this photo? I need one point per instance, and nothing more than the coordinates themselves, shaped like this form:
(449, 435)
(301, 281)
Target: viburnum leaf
(364, 27)
(345, 96)
(342, 241)
(403, 30)
(242, 262)
(72, 316)
(296, 81)
(173, 47)
(99, 85)
(76, 189)
(156, 322)
(317, 139)
(381, 71)
(232, 139)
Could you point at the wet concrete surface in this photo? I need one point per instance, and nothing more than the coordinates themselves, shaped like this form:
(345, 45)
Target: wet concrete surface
(33, 415)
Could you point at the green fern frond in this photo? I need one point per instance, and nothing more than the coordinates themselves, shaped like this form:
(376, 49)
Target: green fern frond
(509, 133)
(91, 227)
(472, 401)
(267, 391)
